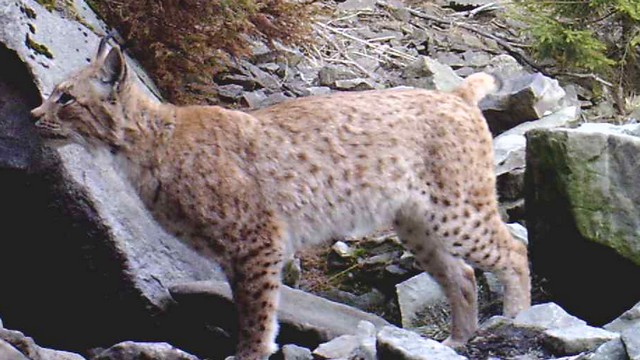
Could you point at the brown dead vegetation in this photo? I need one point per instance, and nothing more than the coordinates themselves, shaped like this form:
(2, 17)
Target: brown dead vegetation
(183, 43)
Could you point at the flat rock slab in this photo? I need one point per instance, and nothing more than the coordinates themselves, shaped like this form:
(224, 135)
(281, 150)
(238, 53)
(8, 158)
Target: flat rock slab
(398, 344)
(130, 350)
(299, 312)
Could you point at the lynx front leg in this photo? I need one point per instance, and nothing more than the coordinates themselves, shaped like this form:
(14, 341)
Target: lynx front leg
(256, 285)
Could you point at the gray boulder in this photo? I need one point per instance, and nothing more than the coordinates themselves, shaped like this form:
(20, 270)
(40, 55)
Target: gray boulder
(399, 344)
(130, 350)
(582, 209)
(523, 98)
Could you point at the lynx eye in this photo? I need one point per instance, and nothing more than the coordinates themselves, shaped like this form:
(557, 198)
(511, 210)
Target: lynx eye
(65, 99)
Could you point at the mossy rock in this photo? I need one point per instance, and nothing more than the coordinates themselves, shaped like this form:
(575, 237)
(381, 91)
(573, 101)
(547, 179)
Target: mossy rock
(597, 174)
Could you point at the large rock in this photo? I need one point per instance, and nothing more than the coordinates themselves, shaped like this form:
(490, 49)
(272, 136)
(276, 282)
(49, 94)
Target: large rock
(582, 202)
(522, 98)
(101, 258)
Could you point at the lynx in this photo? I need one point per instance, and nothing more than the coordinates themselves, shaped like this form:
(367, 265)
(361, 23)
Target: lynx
(247, 187)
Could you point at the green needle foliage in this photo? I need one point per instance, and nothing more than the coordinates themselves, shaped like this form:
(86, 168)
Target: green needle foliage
(599, 36)
(183, 43)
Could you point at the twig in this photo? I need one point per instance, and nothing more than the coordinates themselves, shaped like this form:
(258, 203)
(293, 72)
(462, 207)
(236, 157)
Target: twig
(366, 43)
(486, 7)
(588, 76)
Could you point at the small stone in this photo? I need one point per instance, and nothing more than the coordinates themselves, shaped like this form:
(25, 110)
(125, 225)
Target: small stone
(291, 273)
(415, 295)
(476, 58)
(519, 232)
(357, 5)
(295, 352)
(576, 339)
(343, 250)
(495, 286)
(547, 316)
(400, 344)
(359, 84)
(319, 90)
(329, 74)
(230, 91)
(254, 99)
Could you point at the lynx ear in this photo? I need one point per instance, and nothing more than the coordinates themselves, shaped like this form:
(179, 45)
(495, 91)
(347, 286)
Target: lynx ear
(102, 48)
(114, 67)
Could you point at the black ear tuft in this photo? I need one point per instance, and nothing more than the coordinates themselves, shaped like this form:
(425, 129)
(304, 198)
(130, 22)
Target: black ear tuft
(114, 67)
(102, 48)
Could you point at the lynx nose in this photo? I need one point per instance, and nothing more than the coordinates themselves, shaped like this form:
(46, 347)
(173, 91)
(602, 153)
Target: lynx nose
(37, 113)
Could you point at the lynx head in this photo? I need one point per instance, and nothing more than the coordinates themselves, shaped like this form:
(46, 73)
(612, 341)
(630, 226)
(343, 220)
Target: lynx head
(88, 107)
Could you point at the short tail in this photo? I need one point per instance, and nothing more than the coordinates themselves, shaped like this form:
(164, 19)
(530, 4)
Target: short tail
(477, 86)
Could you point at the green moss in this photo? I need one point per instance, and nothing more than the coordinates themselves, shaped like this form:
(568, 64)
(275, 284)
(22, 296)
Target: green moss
(48, 4)
(577, 179)
(38, 48)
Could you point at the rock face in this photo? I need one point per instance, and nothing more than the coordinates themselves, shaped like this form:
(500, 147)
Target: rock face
(69, 214)
(582, 209)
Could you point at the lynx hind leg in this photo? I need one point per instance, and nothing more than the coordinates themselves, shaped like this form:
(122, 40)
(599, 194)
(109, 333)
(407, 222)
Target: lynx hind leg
(256, 292)
(457, 279)
(508, 260)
